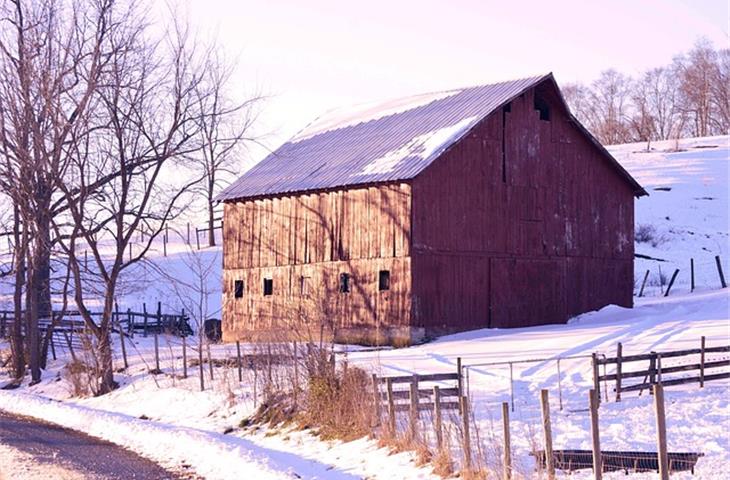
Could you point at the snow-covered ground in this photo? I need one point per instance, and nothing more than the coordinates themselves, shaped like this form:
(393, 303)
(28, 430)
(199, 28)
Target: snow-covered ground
(168, 419)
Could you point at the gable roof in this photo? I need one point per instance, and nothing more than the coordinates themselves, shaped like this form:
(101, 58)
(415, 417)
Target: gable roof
(379, 142)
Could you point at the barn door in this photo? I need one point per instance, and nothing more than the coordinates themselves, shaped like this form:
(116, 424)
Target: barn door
(526, 292)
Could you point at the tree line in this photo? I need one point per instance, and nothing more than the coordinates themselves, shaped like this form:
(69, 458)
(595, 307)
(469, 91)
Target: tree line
(690, 97)
(110, 123)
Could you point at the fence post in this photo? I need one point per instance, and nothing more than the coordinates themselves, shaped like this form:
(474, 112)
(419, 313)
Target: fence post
(164, 246)
(157, 354)
(548, 432)
(377, 400)
(3, 324)
(144, 311)
(465, 430)
(702, 361)
(459, 379)
(643, 284)
(619, 354)
(652, 370)
(391, 405)
(659, 368)
(671, 282)
(121, 337)
(661, 431)
(197, 238)
(511, 388)
(414, 406)
(507, 461)
(159, 317)
(188, 241)
(596, 380)
(560, 387)
(438, 427)
(595, 435)
(185, 356)
(692, 274)
(719, 271)
(238, 361)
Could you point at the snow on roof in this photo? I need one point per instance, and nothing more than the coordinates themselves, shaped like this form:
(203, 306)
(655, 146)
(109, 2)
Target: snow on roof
(373, 143)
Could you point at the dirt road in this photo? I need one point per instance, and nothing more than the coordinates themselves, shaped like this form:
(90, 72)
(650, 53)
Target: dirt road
(31, 449)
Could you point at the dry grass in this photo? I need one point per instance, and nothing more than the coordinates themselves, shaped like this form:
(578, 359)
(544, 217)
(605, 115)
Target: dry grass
(80, 378)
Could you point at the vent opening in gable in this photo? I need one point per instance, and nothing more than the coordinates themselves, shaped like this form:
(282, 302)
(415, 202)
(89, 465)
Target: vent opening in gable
(542, 106)
(268, 286)
(238, 289)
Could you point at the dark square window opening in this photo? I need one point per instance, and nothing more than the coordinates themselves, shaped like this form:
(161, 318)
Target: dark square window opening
(542, 106)
(384, 280)
(238, 289)
(344, 282)
(268, 286)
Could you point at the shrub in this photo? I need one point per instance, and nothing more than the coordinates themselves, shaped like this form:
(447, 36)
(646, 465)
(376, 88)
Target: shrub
(647, 233)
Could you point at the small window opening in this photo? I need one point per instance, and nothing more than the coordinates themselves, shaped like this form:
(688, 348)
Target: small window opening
(542, 107)
(384, 280)
(344, 282)
(304, 286)
(268, 286)
(238, 288)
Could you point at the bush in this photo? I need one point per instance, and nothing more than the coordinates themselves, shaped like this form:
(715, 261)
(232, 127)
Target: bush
(647, 233)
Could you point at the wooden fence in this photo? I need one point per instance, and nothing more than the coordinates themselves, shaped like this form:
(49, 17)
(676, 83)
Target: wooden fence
(655, 373)
(417, 393)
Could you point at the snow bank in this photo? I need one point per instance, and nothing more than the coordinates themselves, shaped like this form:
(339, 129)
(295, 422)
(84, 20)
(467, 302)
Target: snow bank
(214, 456)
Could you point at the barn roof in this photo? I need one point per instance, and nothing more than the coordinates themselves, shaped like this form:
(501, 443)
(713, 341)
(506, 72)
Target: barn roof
(379, 142)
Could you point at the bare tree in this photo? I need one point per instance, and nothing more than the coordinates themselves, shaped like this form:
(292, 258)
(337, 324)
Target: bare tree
(225, 130)
(720, 93)
(609, 100)
(124, 175)
(49, 62)
(696, 71)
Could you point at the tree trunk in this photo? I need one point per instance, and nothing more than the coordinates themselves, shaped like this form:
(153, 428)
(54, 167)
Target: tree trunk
(16, 339)
(211, 223)
(106, 364)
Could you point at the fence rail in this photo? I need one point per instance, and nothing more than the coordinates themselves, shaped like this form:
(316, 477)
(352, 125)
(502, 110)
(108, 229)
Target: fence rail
(655, 373)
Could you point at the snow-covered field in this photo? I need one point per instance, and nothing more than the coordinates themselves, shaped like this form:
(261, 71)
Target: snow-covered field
(168, 419)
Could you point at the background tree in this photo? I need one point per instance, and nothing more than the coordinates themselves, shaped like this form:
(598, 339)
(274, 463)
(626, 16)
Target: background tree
(224, 131)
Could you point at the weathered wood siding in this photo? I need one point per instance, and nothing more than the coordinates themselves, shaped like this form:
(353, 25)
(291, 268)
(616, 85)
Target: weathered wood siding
(303, 243)
(533, 236)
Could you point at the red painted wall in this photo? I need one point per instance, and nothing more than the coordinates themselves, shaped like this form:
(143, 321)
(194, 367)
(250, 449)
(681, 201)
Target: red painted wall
(534, 236)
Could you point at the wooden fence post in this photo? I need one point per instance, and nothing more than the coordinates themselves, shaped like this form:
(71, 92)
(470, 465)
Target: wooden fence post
(188, 237)
(159, 317)
(671, 282)
(595, 435)
(164, 246)
(659, 368)
(652, 370)
(238, 361)
(511, 388)
(414, 406)
(692, 274)
(643, 284)
(661, 431)
(157, 354)
(144, 316)
(438, 426)
(619, 354)
(507, 449)
(459, 379)
(465, 431)
(548, 432)
(197, 238)
(719, 271)
(702, 361)
(3, 325)
(377, 400)
(560, 386)
(391, 405)
(596, 381)
(185, 356)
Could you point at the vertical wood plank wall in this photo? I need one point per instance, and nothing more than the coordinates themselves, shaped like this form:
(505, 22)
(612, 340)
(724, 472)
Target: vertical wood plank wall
(553, 240)
(303, 243)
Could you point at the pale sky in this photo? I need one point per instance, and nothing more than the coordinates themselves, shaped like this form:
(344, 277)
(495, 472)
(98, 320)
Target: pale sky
(314, 55)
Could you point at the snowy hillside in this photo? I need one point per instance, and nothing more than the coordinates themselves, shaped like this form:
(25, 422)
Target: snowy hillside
(686, 213)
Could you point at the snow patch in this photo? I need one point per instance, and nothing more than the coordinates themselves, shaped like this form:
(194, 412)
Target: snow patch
(355, 115)
(422, 147)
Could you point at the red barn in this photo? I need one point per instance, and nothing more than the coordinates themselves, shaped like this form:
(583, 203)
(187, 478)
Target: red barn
(481, 207)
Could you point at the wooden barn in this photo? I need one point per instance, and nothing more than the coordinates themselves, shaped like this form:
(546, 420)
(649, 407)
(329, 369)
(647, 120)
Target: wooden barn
(484, 207)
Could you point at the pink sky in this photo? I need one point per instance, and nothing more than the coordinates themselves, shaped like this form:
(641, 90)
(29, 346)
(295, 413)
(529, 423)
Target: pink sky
(311, 56)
